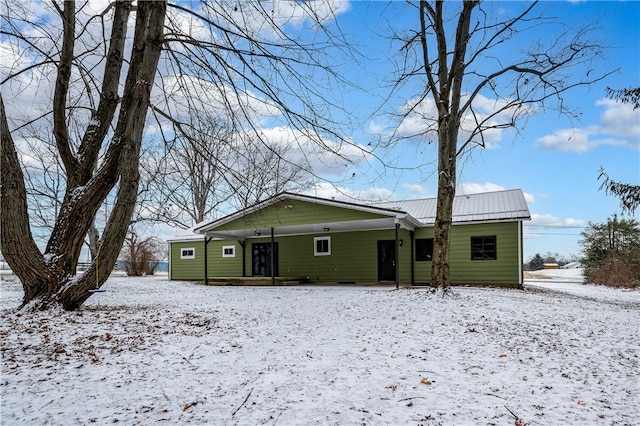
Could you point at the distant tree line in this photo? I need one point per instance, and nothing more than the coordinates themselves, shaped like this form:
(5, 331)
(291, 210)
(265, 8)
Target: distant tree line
(538, 261)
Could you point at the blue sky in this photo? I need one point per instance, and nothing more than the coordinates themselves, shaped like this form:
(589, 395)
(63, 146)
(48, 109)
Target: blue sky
(553, 159)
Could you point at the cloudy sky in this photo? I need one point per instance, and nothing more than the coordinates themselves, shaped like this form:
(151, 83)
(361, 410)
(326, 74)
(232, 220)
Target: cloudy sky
(553, 158)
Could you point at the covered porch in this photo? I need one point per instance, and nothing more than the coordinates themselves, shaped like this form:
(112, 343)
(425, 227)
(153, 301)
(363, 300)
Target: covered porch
(268, 237)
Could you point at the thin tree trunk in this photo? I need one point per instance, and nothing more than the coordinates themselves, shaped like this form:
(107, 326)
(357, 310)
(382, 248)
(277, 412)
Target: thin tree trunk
(93, 235)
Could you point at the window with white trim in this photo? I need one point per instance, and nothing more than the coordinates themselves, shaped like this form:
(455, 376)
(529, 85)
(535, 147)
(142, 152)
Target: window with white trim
(321, 246)
(228, 251)
(188, 253)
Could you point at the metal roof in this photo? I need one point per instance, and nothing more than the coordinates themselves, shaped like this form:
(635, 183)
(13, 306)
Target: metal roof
(508, 205)
(482, 207)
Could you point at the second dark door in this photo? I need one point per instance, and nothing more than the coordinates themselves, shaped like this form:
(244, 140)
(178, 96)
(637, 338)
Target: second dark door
(386, 260)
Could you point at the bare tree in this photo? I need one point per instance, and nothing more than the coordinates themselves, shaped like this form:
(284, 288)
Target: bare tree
(107, 74)
(46, 279)
(184, 177)
(141, 255)
(213, 169)
(460, 54)
(260, 171)
(45, 185)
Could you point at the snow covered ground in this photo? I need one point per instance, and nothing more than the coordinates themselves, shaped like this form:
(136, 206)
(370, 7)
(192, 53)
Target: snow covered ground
(150, 351)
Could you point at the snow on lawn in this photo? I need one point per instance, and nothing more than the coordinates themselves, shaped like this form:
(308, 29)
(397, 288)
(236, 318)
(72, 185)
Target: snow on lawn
(149, 351)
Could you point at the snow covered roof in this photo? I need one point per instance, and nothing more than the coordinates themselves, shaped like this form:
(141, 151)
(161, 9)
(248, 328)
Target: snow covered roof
(487, 206)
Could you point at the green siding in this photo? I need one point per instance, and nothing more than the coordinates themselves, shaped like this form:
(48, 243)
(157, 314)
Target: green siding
(186, 269)
(295, 212)
(218, 266)
(462, 270)
(354, 257)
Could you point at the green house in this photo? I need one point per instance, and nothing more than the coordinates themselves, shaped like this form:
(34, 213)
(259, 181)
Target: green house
(294, 238)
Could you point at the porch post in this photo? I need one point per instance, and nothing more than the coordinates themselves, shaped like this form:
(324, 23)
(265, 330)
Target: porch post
(244, 268)
(273, 270)
(206, 259)
(397, 259)
(412, 235)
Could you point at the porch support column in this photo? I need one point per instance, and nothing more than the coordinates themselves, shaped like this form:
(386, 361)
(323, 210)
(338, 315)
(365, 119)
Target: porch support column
(273, 269)
(412, 235)
(244, 266)
(206, 259)
(397, 259)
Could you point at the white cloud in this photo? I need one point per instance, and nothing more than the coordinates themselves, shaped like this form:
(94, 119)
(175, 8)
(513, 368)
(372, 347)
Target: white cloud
(568, 140)
(619, 126)
(267, 19)
(420, 120)
(618, 119)
(330, 191)
(324, 158)
(478, 188)
(548, 220)
(414, 188)
(183, 94)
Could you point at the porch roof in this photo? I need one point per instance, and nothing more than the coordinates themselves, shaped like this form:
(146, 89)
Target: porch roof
(390, 217)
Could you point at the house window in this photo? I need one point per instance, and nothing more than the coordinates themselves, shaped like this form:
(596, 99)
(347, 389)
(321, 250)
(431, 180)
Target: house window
(188, 253)
(424, 249)
(228, 251)
(484, 248)
(322, 246)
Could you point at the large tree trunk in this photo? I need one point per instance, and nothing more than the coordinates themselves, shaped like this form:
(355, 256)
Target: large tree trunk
(448, 95)
(444, 207)
(16, 241)
(50, 279)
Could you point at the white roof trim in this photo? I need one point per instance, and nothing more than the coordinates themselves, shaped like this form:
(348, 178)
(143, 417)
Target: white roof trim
(402, 216)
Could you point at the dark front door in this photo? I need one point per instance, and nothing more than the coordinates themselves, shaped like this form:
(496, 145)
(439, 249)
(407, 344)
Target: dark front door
(261, 259)
(386, 260)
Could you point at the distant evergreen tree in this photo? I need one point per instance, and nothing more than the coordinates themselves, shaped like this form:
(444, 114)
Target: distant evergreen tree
(616, 237)
(612, 253)
(536, 263)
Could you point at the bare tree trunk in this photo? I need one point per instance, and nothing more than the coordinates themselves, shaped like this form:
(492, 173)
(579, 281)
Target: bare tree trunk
(146, 53)
(444, 206)
(50, 279)
(447, 93)
(16, 241)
